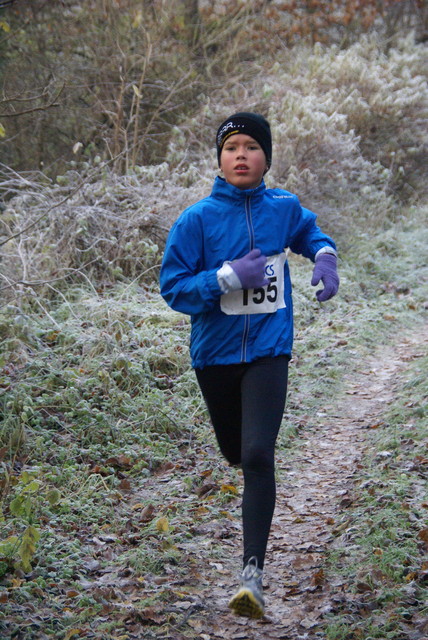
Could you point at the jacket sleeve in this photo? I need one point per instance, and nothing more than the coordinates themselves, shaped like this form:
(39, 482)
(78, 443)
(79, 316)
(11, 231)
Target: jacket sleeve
(184, 283)
(308, 238)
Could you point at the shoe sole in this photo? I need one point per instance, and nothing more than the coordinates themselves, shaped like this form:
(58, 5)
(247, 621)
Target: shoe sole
(244, 603)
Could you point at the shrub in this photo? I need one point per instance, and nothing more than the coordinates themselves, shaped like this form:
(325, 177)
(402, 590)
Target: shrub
(348, 127)
(90, 226)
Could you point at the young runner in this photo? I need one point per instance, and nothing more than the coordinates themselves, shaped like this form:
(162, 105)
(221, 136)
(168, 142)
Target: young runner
(225, 265)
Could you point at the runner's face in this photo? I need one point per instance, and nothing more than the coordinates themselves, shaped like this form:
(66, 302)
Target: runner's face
(243, 161)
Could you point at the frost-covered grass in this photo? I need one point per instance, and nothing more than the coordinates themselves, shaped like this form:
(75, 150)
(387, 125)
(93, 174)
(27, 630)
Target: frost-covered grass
(98, 400)
(348, 126)
(382, 557)
(89, 227)
(349, 134)
(97, 397)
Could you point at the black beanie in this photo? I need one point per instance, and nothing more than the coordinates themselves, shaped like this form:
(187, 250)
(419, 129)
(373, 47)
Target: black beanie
(252, 124)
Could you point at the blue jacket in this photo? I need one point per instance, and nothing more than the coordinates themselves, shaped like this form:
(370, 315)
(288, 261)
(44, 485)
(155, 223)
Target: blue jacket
(224, 227)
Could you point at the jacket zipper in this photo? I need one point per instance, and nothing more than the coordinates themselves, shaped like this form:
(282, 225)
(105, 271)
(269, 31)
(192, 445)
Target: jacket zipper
(250, 228)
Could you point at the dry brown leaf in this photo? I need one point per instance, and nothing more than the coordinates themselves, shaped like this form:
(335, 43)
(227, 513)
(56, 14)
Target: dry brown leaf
(423, 535)
(206, 488)
(120, 461)
(318, 578)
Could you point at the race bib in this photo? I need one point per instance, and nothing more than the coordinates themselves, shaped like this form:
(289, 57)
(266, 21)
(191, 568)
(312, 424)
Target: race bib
(267, 299)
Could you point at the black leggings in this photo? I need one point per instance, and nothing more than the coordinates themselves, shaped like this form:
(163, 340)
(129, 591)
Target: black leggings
(246, 403)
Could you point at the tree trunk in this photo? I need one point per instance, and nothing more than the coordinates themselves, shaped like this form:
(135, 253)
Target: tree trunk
(188, 18)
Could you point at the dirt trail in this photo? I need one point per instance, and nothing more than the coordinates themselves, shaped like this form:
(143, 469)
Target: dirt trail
(314, 490)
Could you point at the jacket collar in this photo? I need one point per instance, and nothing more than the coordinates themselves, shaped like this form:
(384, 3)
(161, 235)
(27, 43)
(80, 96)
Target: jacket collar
(223, 189)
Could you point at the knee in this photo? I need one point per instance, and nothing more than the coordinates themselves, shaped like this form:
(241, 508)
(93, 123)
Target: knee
(257, 460)
(232, 457)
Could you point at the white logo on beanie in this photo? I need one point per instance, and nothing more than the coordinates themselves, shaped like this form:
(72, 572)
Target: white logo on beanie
(225, 128)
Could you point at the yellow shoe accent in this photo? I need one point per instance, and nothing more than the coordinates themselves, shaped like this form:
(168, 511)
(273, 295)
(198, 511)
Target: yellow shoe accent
(245, 603)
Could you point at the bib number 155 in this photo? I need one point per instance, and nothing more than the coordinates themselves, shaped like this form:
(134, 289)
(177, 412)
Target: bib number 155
(267, 299)
(259, 296)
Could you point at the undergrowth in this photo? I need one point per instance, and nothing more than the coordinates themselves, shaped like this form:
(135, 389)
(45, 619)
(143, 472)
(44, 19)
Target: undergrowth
(100, 407)
(109, 471)
(383, 555)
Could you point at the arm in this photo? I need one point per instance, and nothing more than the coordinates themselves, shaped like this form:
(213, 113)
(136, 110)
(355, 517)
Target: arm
(320, 248)
(185, 285)
(308, 239)
(198, 293)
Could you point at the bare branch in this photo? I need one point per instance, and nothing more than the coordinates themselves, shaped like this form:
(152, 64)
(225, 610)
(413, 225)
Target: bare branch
(41, 283)
(53, 103)
(81, 184)
(19, 98)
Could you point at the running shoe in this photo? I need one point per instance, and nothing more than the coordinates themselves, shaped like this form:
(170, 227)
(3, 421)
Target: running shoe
(248, 601)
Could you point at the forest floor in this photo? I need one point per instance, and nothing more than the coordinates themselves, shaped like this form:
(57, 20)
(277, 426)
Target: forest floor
(136, 519)
(316, 486)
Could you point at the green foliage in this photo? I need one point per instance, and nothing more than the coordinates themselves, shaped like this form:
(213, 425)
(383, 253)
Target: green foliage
(99, 405)
(24, 510)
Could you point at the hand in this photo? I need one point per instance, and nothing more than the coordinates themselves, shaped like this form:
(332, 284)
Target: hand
(325, 270)
(251, 270)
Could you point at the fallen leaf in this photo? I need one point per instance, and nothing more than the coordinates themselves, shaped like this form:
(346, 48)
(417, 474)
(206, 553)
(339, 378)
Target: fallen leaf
(183, 604)
(162, 525)
(164, 468)
(342, 527)
(95, 469)
(138, 505)
(423, 535)
(197, 625)
(206, 488)
(72, 632)
(125, 485)
(16, 583)
(147, 514)
(150, 615)
(91, 565)
(228, 488)
(120, 461)
(318, 578)
(308, 623)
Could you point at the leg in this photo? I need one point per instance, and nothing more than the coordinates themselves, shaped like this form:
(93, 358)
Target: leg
(246, 403)
(221, 388)
(264, 388)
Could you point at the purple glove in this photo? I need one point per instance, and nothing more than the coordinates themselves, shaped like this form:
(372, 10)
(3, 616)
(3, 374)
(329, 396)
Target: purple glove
(325, 270)
(251, 270)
